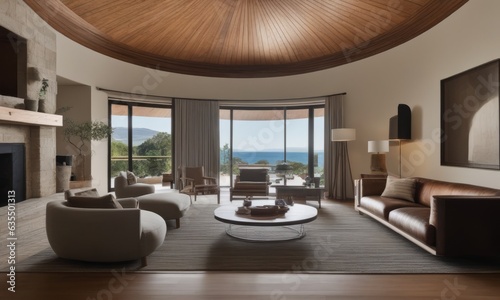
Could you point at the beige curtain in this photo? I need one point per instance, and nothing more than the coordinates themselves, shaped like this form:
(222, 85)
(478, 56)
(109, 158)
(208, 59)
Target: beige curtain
(338, 176)
(196, 128)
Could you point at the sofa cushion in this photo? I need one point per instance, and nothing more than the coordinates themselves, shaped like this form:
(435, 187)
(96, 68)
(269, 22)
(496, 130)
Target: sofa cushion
(427, 188)
(131, 178)
(87, 193)
(249, 185)
(106, 201)
(255, 175)
(400, 188)
(382, 206)
(415, 222)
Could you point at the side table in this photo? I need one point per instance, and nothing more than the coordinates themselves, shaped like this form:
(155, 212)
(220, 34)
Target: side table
(288, 191)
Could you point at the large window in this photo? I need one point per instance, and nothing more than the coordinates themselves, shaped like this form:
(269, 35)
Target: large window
(271, 137)
(141, 141)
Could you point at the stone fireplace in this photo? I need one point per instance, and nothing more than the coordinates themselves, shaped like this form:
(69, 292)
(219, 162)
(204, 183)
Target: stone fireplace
(39, 140)
(12, 172)
(39, 157)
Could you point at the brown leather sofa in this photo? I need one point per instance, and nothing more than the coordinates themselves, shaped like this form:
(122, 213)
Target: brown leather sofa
(446, 219)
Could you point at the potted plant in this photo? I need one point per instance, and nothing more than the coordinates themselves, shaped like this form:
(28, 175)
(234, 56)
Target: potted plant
(79, 135)
(38, 104)
(42, 94)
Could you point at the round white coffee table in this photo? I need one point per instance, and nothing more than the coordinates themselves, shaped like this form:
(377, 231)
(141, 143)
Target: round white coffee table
(289, 226)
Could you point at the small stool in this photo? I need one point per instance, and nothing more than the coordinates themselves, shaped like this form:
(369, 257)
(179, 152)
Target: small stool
(170, 205)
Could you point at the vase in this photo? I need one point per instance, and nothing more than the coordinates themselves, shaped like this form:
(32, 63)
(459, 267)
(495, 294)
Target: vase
(30, 104)
(41, 105)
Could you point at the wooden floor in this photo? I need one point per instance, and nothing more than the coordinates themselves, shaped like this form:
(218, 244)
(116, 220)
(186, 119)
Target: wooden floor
(272, 286)
(228, 285)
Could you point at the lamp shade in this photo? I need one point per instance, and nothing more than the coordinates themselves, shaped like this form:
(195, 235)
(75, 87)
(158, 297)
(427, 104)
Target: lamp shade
(343, 134)
(378, 146)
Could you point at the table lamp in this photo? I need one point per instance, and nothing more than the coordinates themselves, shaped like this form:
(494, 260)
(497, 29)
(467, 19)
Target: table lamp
(378, 150)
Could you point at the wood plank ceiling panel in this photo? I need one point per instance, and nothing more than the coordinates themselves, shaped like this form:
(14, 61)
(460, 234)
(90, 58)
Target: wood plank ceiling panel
(242, 38)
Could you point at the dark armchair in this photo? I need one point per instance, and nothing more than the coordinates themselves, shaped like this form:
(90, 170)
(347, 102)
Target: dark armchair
(251, 182)
(194, 182)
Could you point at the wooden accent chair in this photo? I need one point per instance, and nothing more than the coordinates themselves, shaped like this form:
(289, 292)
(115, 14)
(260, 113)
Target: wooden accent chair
(251, 182)
(194, 182)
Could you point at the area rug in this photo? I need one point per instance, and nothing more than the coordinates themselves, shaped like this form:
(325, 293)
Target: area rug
(338, 241)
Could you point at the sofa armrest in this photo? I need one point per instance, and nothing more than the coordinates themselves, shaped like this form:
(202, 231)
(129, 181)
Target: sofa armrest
(134, 190)
(466, 225)
(128, 202)
(210, 179)
(97, 234)
(371, 186)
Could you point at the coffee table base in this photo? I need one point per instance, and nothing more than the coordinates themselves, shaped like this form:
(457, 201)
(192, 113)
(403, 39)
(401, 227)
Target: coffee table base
(266, 234)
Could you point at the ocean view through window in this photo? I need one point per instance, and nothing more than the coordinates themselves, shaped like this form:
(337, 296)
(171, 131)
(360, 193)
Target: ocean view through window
(267, 137)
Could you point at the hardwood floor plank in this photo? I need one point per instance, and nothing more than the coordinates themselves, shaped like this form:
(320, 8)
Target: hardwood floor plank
(228, 285)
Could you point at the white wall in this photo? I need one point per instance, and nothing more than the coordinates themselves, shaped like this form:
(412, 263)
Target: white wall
(409, 73)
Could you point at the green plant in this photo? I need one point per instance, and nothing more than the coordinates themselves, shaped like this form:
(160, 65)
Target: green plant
(78, 134)
(43, 89)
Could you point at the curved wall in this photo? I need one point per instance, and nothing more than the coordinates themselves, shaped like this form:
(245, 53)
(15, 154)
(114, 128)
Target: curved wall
(409, 73)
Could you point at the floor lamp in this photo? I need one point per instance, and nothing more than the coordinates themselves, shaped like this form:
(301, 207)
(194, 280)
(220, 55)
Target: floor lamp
(341, 161)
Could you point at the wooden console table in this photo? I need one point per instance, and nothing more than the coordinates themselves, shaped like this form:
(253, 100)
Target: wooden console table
(291, 191)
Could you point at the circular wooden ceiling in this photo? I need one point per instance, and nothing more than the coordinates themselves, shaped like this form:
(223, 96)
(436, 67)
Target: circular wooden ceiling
(242, 38)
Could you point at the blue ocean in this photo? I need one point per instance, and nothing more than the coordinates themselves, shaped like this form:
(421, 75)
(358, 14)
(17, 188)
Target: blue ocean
(252, 157)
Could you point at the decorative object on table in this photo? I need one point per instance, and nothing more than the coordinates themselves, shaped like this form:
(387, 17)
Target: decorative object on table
(247, 202)
(400, 128)
(378, 150)
(243, 210)
(289, 201)
(42, 94)
(262, 210)
(280, 202)
(343, 183)
(470, 118)
(268, 210)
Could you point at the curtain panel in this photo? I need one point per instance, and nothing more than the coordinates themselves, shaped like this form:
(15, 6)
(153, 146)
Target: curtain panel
(338, 183)
(196, 127)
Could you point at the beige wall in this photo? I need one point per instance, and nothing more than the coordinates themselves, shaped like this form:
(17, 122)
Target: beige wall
(76, 103)
(409, 73)
(84, 103)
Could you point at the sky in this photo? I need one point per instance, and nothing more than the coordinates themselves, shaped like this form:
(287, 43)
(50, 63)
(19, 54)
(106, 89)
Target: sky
(248, 135)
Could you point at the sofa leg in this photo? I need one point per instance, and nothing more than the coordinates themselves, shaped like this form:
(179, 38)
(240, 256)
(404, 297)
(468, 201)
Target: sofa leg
(177, 223)
(144, 261)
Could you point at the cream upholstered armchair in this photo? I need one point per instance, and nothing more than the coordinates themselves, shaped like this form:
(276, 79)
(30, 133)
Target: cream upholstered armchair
(126, 185)
(252, 181)
(194, 182)
(94, 228)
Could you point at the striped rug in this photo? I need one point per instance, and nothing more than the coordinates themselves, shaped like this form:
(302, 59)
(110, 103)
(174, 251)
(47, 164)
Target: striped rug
(338, 241)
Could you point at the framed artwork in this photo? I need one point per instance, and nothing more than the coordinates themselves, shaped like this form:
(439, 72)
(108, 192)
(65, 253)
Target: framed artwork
(470, 118)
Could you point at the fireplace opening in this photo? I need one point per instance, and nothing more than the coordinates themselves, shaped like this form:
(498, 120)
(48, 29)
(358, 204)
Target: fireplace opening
(12, 172)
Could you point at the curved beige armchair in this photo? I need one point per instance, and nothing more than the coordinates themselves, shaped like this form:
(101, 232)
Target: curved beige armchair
(103, 234)
(123, 189)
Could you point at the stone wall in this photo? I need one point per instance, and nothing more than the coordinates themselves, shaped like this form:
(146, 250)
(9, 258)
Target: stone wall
(40, 141)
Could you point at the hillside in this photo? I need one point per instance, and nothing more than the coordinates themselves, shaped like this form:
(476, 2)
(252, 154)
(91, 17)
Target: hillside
(139, 135)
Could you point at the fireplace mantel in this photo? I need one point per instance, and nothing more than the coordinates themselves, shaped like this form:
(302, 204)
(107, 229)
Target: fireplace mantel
(26, 117)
